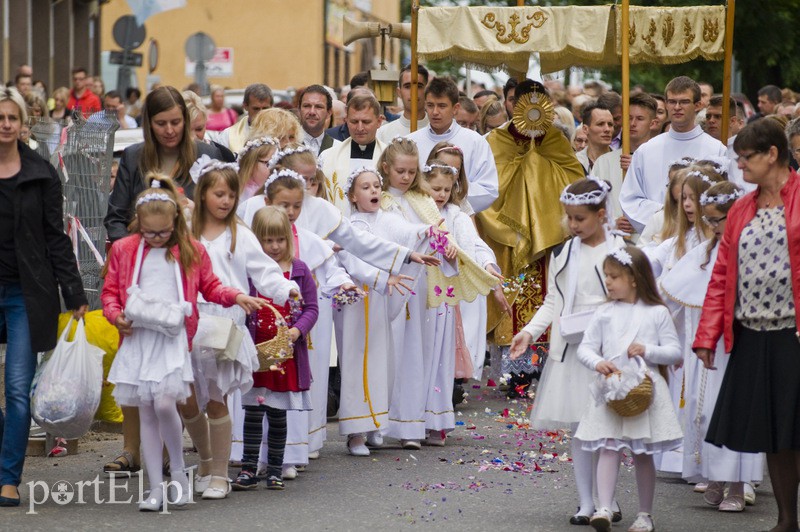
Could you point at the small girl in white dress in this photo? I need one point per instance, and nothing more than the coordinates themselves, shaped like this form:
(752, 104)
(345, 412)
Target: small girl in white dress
(633, 332)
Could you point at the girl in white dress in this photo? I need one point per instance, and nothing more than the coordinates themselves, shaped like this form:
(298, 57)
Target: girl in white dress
(367, 348)
(150, 294)
(685, 286)
(692, 231)
(575, 289)
(237, 258)
(664, 223)
(633, 333)
(254, 166)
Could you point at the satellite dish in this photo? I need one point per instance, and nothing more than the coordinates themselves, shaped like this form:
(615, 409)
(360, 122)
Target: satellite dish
(127, 33)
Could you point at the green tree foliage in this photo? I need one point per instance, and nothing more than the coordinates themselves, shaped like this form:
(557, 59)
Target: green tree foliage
(764, 44)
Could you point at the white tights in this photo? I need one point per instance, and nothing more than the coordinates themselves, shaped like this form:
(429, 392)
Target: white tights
(608, 471)
(582, 466)
(160, 425)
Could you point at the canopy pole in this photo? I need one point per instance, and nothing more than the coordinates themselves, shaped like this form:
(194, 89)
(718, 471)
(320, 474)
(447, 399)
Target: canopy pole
(726, 70)
(414, 64)
(626, 79)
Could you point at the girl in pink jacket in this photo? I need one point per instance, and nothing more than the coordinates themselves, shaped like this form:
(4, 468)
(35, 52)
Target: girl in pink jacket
(150, 295)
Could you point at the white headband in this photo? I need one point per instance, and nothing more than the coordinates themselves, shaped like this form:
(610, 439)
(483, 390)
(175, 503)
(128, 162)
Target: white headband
(594, 197)
(280, 154)
(701, 175)
(683, 160)
(445, 167)
(622, 256)
(720, 199)
(155, 196)
(357, 172)
(257, 143)
(205, 164)
(283, 173)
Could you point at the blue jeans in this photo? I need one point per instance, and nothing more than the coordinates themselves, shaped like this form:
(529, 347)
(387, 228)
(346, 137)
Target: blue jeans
(20, 367)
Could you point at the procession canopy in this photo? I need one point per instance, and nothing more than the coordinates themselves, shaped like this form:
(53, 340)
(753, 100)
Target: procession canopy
(503, 38)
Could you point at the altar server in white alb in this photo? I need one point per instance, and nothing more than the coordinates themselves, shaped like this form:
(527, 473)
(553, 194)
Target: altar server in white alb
(441, 104)
(632, 334)
(642, 192)
(685, 286)
(575, 290)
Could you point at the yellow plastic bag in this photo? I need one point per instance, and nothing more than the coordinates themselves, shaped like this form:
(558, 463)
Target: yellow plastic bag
(101, 333)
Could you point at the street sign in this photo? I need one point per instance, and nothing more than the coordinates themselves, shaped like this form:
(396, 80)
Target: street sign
(133, 59)
(200, 47)
(220, 66)
(127, 33)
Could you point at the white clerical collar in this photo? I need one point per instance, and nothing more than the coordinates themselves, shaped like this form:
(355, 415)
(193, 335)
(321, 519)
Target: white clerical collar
(688, 135)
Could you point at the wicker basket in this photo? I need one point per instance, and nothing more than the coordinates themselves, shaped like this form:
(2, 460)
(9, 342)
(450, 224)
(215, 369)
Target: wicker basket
(637, 401)
(278, 349)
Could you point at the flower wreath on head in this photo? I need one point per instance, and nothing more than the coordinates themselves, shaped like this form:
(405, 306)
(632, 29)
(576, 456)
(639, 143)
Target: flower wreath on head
(622, 256)
(257, 143)
(280, 154)
(446, 167)
(357, 172)
(593, 197)
(284, 172)
(205, 164)
(720, 199)
(701, 175)
(155, 196)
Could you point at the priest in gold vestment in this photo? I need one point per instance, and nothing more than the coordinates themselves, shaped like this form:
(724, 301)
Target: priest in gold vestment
(534, 163)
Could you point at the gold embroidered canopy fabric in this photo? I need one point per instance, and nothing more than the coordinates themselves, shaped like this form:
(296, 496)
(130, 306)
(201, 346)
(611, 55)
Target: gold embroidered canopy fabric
(505, 37)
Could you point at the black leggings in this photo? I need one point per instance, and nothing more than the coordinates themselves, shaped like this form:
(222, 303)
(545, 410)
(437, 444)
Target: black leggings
(253, 435)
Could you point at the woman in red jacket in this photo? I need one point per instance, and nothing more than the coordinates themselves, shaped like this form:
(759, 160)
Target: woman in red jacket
(751, 300)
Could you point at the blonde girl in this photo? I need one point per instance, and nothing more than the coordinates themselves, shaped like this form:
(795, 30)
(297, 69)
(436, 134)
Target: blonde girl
(664, 224)
(254, 166)
(165, 268)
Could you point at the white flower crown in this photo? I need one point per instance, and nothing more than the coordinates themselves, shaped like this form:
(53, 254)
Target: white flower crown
(701, 175)
(205, 164)
(446, 167)
(280, 154)
(720, 199)
(155, 196)
(622, 256)
(357, 172)
(285, 172)
(257, 143)
(594, 197)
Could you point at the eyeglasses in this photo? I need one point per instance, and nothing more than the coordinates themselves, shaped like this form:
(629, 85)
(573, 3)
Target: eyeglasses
(714, 222)
(746, 158)
(157, 234)
(681, 103)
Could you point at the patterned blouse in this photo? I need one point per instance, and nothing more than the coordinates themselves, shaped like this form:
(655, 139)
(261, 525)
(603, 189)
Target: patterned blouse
(765, 300)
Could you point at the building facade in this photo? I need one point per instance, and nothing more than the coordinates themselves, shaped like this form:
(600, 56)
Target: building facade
(284, 43)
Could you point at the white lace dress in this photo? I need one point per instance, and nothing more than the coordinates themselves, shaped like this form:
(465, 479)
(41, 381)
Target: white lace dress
(150, 364)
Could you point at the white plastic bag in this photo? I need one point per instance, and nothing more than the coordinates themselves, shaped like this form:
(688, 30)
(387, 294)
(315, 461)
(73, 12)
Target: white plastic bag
(66, 391)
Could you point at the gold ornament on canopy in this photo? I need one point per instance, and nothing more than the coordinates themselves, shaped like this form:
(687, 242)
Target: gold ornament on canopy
(533, 114)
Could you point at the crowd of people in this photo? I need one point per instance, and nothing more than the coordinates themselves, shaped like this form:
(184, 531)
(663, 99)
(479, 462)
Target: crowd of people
(327, 229)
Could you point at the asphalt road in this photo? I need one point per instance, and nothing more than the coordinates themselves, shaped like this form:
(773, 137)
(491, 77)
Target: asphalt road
(493, 474)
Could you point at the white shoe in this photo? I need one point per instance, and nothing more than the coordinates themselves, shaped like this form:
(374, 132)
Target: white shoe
(313, 455)
(153, 501)
(173, 497)
(201, 483)
(601, 520)
(749, 494)
(220, 490)
(643, 523)
(435, 438)
(356, 445)
(288, 473)
(410, 444)
(700, 487)
(374, 439)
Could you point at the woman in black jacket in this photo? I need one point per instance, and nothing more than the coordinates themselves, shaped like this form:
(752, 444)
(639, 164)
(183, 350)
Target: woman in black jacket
(169, 147)
(36, 259)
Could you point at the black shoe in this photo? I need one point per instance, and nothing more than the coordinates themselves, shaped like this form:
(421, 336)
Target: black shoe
(275, 483)
(245, 481)
(582, 520)
(458, 394)
(616, 517)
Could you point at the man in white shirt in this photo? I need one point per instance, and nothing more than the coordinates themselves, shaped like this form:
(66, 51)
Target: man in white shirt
(316, 106)
(257, 97)
(112, 102)
(402, 126)
(645, 186)
(642, 116)
(598, 124)
(441, 104)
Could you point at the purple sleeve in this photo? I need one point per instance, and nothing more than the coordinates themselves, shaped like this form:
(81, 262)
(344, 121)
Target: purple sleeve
(308, 290)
